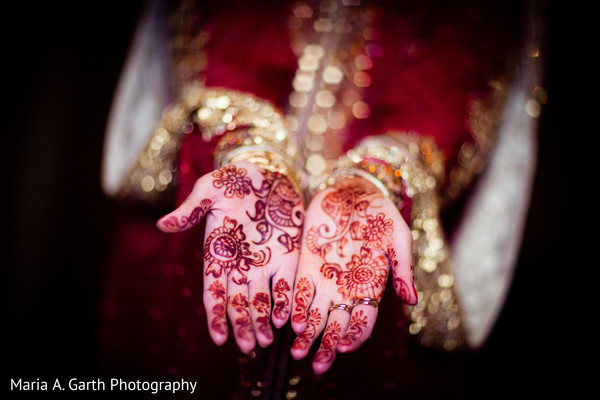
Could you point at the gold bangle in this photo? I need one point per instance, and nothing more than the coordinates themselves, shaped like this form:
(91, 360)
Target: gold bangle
(402, 165)
(253, 130)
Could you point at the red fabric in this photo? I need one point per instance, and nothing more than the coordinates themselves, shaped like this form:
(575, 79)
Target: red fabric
(433, 64)
(250, 50)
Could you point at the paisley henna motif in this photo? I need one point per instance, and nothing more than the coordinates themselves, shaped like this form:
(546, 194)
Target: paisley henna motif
(176, 224)
(339, 205)
(278, 208)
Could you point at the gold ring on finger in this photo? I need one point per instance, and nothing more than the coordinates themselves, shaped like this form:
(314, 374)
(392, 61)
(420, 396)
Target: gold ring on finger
(343, 307)
(368, 301)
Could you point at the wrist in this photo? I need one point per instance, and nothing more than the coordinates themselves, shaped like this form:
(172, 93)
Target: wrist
(402, 166)
(268, 159)
(250, 129)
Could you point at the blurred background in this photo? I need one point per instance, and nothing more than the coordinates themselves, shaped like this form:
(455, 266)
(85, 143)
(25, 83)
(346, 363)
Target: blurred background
(61, 65)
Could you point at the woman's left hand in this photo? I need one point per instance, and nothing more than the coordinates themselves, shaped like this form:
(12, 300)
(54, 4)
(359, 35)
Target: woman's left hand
(353, 234)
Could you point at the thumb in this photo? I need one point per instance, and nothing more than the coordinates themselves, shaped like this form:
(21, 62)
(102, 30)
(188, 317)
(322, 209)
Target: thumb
(191, 211)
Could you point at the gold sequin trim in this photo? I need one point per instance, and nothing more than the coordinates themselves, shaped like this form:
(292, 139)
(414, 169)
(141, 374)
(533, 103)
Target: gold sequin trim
(216, 112)
(484, 114)
(153, 175)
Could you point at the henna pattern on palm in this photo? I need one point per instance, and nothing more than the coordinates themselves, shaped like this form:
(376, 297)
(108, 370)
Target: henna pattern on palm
(277, 209)
(366, 273)
(249, 200)
(346, 251)
(234, 180)
(226, 250)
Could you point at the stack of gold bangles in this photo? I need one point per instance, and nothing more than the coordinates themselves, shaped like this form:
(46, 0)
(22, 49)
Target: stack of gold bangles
(399, 164)
(252, 130)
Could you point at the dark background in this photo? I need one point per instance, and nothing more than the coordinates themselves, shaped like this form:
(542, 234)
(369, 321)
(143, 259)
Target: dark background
(61, 63)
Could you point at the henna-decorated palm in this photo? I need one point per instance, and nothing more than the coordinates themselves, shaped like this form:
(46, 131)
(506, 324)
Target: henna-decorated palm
(353, 235)
(253, 229)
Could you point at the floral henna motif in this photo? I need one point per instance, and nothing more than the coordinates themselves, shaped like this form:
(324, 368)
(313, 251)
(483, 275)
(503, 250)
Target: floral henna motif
(364, 276)
(304, 340)
(226, 249)
(219, 322)
(301, 299)
(374, 232)
(234, 180)
(326, 352)
(244, 326)
(260, 305)
(358, 323)
(281, 289)
(277, 209)
(174, 223)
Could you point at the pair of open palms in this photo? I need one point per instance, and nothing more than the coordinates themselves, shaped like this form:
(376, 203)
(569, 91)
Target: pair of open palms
(267, 258)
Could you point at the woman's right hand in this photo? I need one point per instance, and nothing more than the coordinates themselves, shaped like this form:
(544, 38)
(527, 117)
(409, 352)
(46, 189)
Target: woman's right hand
(253, 227)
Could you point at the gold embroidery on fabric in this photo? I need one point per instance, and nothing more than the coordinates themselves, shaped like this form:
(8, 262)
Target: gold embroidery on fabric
(153, 175)
(484, 115)
(331, 41)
